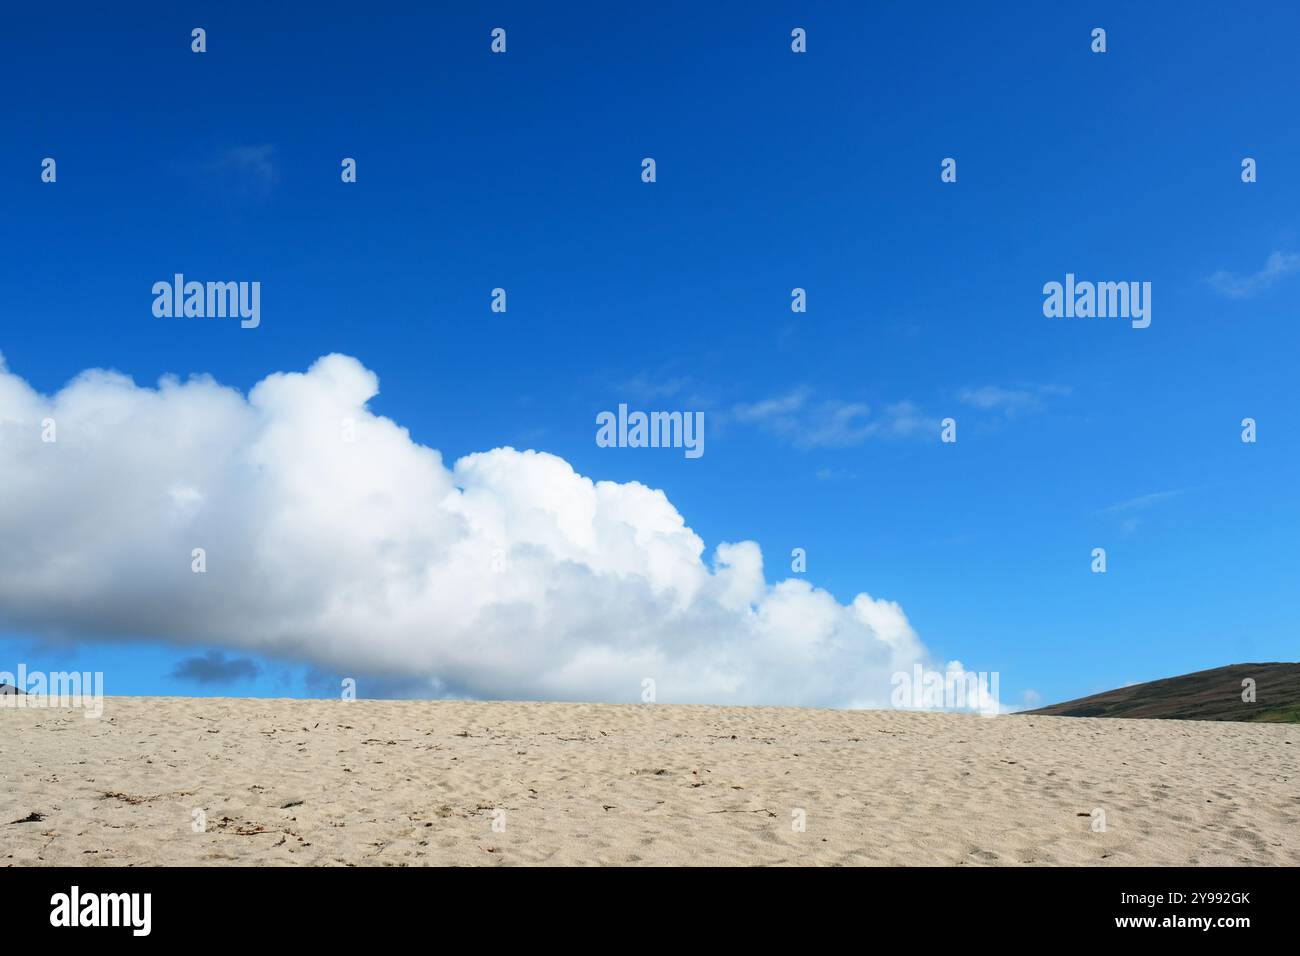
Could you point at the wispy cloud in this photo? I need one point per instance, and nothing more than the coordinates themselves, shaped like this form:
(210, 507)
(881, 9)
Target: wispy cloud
(646, 387)
(1140, 502)
(1278, 267)
(1129, 509)
(829, 423)
(247, 170)
(1029, 700)
(1010, 401)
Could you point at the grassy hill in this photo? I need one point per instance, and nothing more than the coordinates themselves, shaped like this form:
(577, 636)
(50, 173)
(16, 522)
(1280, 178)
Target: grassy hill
(1205, 695)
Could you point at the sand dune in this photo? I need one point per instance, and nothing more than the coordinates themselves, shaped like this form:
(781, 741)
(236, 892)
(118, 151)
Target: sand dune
(407, 783)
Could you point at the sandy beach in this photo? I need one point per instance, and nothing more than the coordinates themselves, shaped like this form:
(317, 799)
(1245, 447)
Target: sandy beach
(279, 782)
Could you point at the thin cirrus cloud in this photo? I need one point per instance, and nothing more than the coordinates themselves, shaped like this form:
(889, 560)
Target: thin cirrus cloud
(1140, 502)
(1129, 511)
(805, 422)
(1010, 401)
(249, 171)
(503, 575)
(1278, 266)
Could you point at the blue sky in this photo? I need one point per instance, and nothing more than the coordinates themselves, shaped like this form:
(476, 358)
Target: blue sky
(774, 171)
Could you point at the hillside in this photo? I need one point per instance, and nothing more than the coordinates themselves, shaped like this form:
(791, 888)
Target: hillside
(1205, 695)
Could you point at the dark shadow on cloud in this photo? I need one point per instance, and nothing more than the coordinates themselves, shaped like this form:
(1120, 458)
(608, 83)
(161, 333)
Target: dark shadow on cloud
(215, 668)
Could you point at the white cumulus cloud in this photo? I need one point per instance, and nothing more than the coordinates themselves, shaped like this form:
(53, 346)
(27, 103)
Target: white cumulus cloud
(505, 575)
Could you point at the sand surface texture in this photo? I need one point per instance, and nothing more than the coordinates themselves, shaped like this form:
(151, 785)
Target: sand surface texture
(409, 783)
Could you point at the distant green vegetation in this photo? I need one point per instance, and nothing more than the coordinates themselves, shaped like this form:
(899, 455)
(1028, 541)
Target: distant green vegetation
(1278, 715)
(1255, 693)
